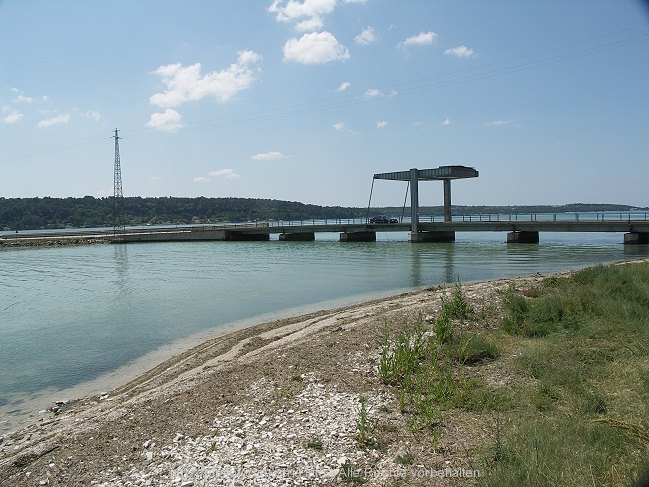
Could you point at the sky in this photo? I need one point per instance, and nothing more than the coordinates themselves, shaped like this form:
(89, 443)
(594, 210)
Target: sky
(304, 100)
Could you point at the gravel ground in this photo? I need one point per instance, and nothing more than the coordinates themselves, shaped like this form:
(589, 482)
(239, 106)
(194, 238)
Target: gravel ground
(274, 404)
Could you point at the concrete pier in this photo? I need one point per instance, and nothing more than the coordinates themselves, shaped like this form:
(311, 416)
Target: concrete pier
(528, 237)
(358, 237)
(297, 236)
(439, 237)
(635, 238)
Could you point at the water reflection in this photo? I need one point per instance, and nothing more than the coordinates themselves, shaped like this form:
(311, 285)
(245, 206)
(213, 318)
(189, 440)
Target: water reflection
(432, 263)
(122, 270)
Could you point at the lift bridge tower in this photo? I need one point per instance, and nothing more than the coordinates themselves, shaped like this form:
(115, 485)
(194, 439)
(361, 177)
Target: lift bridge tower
(118, 195)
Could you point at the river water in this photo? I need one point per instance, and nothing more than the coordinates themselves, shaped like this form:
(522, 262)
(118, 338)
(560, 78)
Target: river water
(80, 320)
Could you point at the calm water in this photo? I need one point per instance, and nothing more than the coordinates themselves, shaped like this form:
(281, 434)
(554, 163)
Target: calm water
(73, 315)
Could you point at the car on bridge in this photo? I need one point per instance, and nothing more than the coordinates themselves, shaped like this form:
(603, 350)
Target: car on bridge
(383, 219)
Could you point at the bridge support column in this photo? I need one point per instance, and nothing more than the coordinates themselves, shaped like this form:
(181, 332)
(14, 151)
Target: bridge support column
(635, 238)
(439, 237)
(297, 236)
(414, 200)
(523, 237)
(358, 237)
(447, 201)
(246, 237)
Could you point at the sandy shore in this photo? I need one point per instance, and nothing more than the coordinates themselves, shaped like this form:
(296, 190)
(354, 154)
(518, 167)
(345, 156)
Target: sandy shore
(258, 406)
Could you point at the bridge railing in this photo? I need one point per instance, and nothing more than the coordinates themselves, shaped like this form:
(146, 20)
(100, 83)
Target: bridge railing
(337, 222)
(486, 217)
(556, 217)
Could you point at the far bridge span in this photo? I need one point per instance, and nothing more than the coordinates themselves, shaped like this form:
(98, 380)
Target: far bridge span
(519, 228)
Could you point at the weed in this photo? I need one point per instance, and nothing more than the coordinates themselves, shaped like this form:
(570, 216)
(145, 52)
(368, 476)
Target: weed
(458, 307)
(543, 397)
(211, 448)
(365, 426)
(315, 444)
(634, 430)
(405, 459)
(443, 327)
(350, 473)
(402, 358)
(469, 349)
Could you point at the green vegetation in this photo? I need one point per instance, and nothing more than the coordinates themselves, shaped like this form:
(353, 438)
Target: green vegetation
(36, 213)
(576, 409)
(424, 368)
(315, 443)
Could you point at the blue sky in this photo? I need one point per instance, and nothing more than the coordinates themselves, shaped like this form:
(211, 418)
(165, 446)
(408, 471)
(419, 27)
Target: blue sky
(306, 100)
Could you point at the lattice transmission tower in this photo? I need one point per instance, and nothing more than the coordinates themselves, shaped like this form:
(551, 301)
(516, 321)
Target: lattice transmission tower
(118, 195)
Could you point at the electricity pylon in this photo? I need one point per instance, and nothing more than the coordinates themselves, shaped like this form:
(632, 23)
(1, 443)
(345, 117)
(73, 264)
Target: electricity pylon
(118, 195)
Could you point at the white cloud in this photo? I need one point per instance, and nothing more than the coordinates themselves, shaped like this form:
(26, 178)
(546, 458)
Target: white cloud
(220, 174)
(421, 39)
(366, 37)
(460, 51)
(268, 156)
(186, 83)
(168, 121)
(306, 14)
(381, 124)
(315, 48)
(94, 115)
(10, 115)
(374, 93)
(446, 122)
(59, 119)
(497, 123)
(342, 127)
(224, 174)
(310, 25)
(23, 99)
(344, 85)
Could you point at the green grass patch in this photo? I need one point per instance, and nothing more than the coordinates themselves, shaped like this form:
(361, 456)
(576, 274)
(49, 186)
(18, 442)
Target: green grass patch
(575, 355)
(583, 347)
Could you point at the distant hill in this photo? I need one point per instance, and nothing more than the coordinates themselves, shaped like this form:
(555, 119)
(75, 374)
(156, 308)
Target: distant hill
(38, 213)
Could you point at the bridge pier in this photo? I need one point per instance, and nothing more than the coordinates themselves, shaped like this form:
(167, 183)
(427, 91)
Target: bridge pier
(367, 236)
(297, 236)
(528, 237)
(439, 237)
(635, 238)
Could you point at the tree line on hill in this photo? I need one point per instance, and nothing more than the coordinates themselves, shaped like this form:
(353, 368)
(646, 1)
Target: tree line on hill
(87, 212)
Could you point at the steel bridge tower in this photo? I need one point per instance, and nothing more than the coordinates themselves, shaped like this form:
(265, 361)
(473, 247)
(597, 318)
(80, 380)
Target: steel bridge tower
(118, 195)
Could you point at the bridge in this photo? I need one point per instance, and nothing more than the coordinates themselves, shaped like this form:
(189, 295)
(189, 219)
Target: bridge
(519, 228)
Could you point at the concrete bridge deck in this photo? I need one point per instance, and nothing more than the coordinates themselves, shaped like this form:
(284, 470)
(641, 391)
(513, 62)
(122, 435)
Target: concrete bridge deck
(523, 230)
